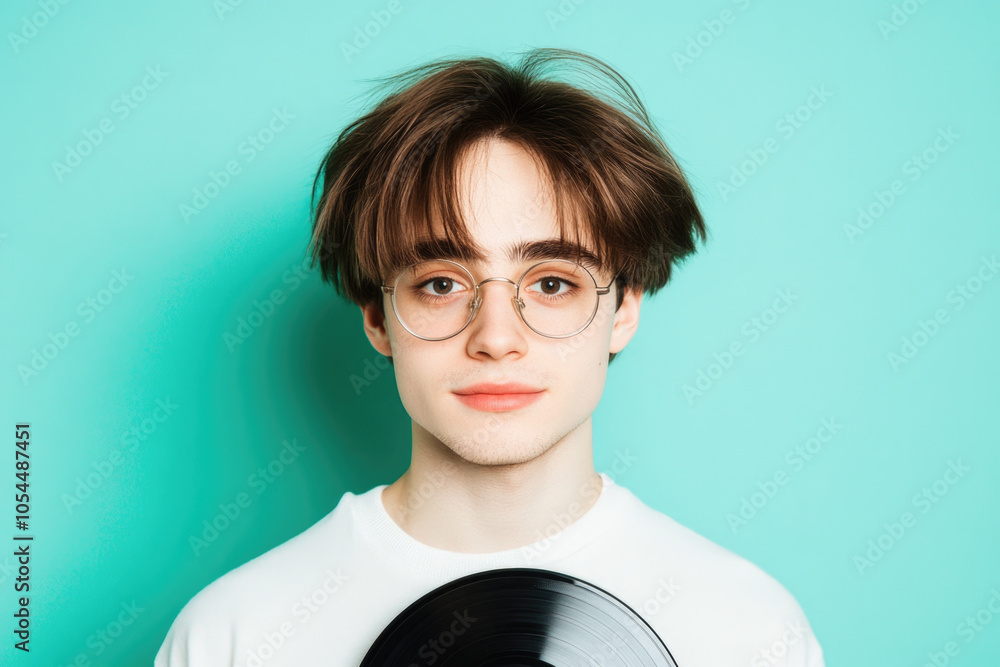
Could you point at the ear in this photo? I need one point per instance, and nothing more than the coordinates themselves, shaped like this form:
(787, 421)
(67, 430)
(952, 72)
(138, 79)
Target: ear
(375, 328)
(626, 320)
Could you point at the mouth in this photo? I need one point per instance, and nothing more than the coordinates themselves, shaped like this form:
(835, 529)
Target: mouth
(498, 402)
(499, 388)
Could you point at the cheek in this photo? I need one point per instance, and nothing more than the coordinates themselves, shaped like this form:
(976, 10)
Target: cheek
(424, 372)
(415, 374)
(589, 348)
(581, 375)
(414, 397)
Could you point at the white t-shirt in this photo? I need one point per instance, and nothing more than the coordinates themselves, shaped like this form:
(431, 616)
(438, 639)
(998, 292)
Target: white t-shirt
(324, 596)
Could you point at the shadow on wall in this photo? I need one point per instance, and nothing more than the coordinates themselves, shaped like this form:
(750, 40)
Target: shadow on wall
(346, 390)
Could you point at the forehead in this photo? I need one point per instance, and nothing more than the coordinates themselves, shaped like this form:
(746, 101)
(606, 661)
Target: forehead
(506, 205)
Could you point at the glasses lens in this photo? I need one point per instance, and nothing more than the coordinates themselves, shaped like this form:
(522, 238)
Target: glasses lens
(560, 298)
(434, 299)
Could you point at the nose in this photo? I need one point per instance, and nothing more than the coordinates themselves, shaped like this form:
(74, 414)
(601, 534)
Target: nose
(494, 330)
(477, 305)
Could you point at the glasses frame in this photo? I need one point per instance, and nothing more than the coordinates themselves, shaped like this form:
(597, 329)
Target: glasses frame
(515, 300)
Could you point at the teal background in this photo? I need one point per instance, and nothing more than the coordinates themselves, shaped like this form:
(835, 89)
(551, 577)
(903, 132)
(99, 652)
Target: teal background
(162, 337)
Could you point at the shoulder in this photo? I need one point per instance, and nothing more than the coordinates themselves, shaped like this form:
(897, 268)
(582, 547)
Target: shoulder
(710, 568)
(715, 593)
(211, 623)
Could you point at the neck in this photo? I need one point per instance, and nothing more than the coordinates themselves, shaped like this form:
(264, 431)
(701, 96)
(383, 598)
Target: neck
(453, 504)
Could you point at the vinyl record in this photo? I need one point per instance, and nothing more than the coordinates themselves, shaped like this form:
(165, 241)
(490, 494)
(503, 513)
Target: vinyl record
(518, 617)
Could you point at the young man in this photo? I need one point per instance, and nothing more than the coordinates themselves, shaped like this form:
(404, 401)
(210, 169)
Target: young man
(498, 229)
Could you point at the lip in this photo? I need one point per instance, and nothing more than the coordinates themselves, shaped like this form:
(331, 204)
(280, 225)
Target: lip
(503, 397)
(498, 388)
(498, 402)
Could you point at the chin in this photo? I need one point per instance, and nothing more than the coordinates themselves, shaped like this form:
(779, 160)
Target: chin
(498, 449)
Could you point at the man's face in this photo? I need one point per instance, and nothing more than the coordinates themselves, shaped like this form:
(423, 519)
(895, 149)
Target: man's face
(507, 205)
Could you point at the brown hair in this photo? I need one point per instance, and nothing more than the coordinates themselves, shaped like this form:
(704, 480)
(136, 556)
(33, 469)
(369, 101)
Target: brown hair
(392, 172)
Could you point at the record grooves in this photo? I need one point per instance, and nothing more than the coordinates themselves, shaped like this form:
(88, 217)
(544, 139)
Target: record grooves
(518, 617)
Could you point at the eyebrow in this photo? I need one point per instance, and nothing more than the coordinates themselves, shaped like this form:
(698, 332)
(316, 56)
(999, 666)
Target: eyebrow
(525, 251)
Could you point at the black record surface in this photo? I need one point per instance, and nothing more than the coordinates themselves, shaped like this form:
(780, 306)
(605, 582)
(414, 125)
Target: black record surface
(518, 617)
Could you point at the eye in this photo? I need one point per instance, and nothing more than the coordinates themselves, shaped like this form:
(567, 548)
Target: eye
(440, 286)
(551, 286)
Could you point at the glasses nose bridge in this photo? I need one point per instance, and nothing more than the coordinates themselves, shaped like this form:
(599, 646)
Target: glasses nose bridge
(515, 300)
(500, 278)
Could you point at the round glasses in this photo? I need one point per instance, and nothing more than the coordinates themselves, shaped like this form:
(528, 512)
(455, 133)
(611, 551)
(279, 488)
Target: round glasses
(437, 299)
